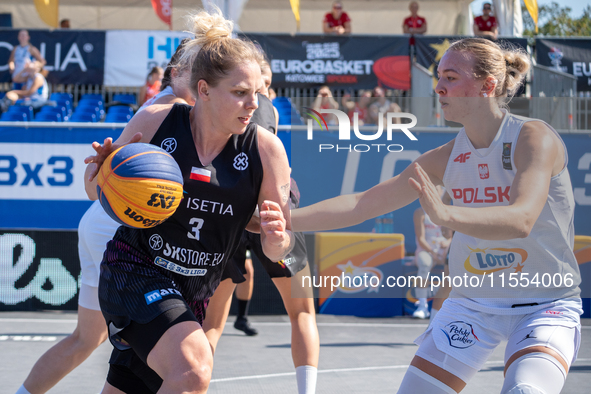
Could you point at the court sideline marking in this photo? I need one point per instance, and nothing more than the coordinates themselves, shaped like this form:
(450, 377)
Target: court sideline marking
(276, 375)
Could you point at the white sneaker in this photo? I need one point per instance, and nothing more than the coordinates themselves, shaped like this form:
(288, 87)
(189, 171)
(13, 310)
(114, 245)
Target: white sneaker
(422, 312)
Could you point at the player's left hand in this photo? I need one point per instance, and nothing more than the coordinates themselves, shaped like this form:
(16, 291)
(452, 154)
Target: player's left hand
(273, 223)
(429, 196)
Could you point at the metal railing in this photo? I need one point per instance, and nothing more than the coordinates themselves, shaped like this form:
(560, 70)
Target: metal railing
(550, 82)
(423, 101)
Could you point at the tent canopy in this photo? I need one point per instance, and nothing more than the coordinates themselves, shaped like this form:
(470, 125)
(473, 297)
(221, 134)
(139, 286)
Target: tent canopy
(444, 17)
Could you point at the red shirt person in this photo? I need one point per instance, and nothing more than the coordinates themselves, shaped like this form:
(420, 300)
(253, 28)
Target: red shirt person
(337, 21)
(414, 24)
(486, 25)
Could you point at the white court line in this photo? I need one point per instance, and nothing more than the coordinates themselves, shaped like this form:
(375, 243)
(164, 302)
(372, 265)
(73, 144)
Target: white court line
(275, 324)
(21, 320)
(276, 375)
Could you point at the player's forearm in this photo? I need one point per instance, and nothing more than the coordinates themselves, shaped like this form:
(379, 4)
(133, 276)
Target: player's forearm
(491, 223)
(278, 251)
(90, 186)
(329, 214)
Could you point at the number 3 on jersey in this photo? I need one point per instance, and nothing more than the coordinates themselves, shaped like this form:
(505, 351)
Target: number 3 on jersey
(195, 233)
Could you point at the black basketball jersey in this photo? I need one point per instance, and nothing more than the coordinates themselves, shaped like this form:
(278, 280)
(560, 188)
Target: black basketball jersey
(194, 244)
(264, 115)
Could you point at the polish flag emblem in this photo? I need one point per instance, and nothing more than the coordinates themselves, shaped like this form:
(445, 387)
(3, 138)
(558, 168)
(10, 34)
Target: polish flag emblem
(200, 174)
(483, 171)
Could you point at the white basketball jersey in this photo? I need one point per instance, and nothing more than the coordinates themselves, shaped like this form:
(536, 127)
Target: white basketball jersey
(483, 178)
(167, 91)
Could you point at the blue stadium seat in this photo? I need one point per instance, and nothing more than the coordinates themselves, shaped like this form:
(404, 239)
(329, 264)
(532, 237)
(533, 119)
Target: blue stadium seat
(126, 98)
(118, 117)
(83, 117)
(65, 103)
(118, 109)
(93, 96)
(58, 109)
(25, 109)
(61, 96)
(48, 117)
(13, 117)
(93, 101)
(88, 108)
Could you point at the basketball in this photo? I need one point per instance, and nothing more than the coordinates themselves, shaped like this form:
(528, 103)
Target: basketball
(140, 185)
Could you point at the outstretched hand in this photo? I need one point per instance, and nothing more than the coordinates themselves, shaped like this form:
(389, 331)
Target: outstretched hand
(428, 196)
(103, 151)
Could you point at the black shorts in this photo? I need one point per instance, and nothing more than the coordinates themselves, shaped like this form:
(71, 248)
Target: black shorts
(139, 304)
(295, 261)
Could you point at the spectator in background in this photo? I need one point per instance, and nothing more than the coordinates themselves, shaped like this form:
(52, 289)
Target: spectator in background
(337, 21)
(380, 106)
(152, 86)
(21, 54)
(325, 100)
(432, 245)
(414, 24)
(486, 24)
(65, 24)
(359, 107)
(34, 91)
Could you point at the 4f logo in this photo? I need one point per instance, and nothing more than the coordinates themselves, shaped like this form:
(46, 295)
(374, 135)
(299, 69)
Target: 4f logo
(345, 124)
(159, 200)
(463, 157)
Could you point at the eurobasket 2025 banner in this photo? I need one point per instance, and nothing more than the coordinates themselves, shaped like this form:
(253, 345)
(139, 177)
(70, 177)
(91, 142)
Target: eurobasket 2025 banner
(358, 62)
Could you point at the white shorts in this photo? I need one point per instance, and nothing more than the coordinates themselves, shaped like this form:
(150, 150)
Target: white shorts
(471, 336)
(88, 297)
(96, 228)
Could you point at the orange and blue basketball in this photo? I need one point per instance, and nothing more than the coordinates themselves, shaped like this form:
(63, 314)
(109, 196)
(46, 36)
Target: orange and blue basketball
(140, 185)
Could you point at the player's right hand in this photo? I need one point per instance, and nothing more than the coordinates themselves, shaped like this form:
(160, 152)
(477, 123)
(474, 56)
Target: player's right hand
(103, 151)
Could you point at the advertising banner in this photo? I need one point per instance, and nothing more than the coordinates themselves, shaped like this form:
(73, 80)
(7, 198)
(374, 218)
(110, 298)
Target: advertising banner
(430, 49)
(131, 54)
(42, 176)
(38, 270)
(358, 62)
(73, 56)
(572, 56)
(357, 266)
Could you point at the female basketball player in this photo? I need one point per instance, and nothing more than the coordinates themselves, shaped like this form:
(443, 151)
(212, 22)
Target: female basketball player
(305, 346)
(162, 336)
(96, 228)
(513, 215)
